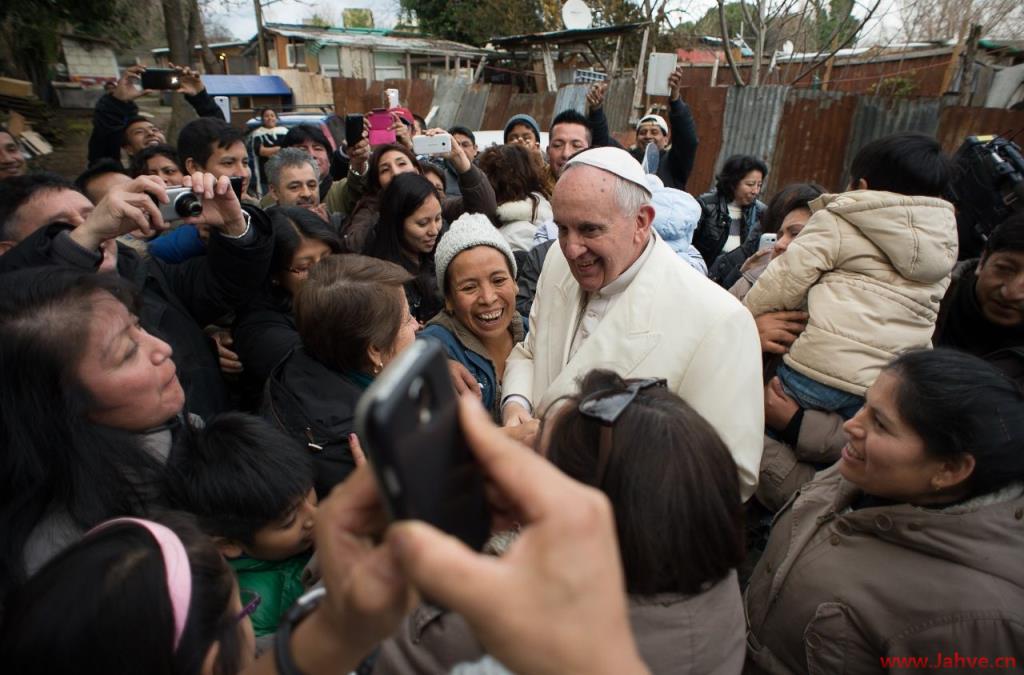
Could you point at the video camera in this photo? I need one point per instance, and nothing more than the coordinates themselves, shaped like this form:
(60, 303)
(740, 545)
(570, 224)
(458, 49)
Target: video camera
(987, 187)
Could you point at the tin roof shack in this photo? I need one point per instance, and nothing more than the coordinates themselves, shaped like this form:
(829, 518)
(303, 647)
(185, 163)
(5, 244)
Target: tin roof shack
(368, 53)
(231, 58)
(571, 56)
(248, 93)
(84, 65)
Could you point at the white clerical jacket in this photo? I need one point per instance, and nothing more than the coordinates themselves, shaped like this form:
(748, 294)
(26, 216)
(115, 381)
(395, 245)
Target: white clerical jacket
(671, 322)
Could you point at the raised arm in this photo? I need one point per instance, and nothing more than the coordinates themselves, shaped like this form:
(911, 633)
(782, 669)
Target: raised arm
(785, 283)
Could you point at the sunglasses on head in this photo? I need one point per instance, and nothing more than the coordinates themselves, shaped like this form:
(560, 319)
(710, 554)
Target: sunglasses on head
(606, 406)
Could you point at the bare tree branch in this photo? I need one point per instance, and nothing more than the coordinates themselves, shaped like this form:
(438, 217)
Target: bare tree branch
(728, 44)
(845, 43)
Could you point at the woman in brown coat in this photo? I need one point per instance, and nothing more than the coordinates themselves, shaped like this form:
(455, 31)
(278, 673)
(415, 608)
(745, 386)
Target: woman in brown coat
(910, 546)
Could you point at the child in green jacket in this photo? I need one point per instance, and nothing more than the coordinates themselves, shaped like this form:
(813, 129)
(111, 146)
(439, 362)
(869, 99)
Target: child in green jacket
(251, 489)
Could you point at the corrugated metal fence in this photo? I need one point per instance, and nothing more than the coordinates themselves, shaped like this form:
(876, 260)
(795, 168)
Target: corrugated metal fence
(801, 134)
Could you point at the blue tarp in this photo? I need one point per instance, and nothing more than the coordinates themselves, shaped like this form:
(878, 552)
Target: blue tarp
(246, 85)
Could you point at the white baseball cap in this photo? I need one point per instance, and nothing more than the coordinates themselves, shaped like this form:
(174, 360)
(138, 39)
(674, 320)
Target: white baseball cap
(657, 119)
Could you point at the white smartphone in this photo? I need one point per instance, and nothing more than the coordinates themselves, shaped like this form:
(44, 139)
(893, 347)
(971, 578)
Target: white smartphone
(767, 240)
(440, 144)
(659, 67)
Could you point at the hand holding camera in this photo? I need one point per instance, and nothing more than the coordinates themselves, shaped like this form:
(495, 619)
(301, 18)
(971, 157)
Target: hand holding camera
(434, 138)
(219, 207)
(188, 81)
(132, 206)
(129, 85)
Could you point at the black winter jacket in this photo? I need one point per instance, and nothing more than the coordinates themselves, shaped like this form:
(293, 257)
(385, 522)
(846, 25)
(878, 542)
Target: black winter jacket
(676, 162)
(264, 332)
(529, 274)
(316, 405)
(177, 299)
(111, 114)
(713, 231)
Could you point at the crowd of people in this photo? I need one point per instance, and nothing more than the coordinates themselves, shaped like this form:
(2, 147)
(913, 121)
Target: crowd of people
(721, 434)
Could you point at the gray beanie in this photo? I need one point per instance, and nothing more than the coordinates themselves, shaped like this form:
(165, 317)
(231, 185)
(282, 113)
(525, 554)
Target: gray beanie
(522, 119)
(471, 229)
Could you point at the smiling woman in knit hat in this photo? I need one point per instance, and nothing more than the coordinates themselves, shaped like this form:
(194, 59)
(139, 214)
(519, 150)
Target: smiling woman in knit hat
(479, 325)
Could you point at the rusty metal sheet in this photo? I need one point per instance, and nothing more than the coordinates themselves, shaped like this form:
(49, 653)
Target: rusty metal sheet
(537, 105)
(618, 102)
(878, 116)
(957, 123)
(571, 97)
(473, 106)
(349, 93)
(448, 93)
(751, 123)
(416, 95)
(708, 107)
(498, 104)
(813, 137)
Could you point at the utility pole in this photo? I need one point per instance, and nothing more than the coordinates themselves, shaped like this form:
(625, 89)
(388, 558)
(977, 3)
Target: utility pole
(967, 74)
(261, 43)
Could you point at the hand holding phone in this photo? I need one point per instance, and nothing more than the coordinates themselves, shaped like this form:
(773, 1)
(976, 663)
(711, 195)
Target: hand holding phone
(160, 78)
(440, 144)
(408, 422)
(767, 241)
(381, 132)
(354, 126)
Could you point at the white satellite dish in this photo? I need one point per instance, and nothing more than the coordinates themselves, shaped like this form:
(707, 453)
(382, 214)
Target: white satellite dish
(576, 15)
(787, 47)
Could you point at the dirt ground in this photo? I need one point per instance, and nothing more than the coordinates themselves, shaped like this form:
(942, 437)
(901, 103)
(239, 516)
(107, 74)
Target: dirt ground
(73, 128)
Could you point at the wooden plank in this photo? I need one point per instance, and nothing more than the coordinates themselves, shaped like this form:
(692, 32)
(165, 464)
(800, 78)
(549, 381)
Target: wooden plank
(15, 88)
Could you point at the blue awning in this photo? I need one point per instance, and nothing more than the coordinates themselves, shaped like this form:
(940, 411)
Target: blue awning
(246, 85)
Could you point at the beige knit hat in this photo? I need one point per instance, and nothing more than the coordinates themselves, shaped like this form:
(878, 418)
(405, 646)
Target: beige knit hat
(468, 231)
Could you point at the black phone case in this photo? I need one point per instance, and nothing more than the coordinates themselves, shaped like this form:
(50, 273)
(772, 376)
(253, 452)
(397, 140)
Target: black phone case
(408, 423)
(156, 78)
(353, 129)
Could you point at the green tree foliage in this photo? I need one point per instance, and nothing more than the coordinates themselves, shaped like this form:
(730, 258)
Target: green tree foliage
(834, 23)
(29, 31)
(316, 19)
(354, 17)
(475, 21)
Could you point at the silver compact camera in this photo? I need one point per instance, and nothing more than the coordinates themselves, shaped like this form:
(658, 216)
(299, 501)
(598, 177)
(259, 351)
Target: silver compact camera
(182, 203)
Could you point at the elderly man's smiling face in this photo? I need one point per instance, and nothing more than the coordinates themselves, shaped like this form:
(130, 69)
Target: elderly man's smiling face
(599, 239)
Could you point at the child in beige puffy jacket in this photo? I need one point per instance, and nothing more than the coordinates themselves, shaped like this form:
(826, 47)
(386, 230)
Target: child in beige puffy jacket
(870, 267)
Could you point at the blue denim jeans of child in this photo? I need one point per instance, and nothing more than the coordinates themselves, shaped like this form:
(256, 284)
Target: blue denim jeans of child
(813, 395)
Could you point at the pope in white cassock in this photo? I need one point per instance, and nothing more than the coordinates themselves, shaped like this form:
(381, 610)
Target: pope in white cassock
(613, 295)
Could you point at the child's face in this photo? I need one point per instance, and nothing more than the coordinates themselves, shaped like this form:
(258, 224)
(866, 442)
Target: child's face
(289, 535)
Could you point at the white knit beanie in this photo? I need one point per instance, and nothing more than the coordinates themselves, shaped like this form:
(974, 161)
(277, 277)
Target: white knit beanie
(469, 230)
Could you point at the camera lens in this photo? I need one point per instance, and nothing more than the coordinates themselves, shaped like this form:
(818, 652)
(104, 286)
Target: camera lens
(420, 394)
(187, 205)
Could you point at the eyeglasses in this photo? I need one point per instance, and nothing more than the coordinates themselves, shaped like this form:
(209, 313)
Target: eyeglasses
(250, 603)
(606, 406)
(304, 271)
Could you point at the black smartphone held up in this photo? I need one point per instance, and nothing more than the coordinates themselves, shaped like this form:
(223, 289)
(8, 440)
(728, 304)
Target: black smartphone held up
(353, 129)
(408, 423)
(236, 186)
(160, 78)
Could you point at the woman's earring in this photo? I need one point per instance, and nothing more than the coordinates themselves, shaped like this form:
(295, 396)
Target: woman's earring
(377, 367)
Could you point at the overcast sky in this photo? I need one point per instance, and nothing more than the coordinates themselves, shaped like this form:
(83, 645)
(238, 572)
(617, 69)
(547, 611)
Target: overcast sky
(242, 22)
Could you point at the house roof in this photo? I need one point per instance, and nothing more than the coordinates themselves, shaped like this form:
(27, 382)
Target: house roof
(212, 45)
(375, 40)
(699, 55)
(1011, 47)
(246, 85)
(566, 36)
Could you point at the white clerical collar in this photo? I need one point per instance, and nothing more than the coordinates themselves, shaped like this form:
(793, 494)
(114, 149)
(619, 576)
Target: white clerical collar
(622, 282)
